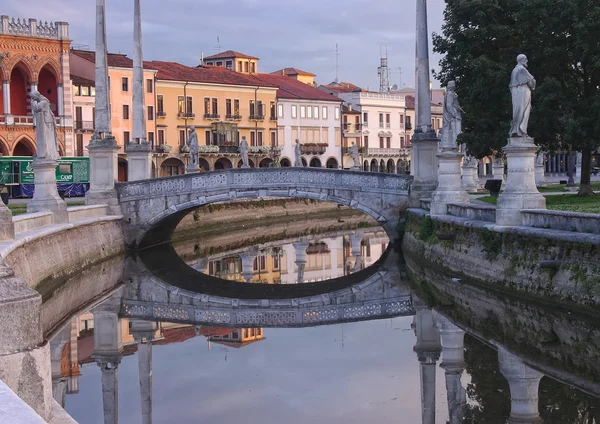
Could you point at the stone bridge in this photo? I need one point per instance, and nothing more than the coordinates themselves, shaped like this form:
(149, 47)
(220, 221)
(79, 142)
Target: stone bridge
(153, 208)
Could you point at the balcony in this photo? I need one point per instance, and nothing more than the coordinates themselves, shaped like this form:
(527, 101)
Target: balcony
(272, 118)
(212, 116)
(161, 114)
(346, 150)
(408, 126)
(383, 152)
(313, 148)
(230, 117)
(84, 125)
(257, 117)
(228, 149)
(185, 115)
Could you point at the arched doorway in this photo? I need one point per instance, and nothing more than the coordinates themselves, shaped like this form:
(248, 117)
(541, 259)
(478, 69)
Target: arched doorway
(171, 166)
(223, 163)
(3, 145)
(285, 163)
(20, 80)
(366, 166)
(332, 163)
(391, 167)
(315, 162)
(250, 163)
(123, 170)
(381, 166)
(48, 87)
(265, 163)
(304, 163)
(24, 147)
(374, 167)
(203, 164)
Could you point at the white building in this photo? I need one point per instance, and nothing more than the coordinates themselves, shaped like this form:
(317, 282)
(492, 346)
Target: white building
(311, 116)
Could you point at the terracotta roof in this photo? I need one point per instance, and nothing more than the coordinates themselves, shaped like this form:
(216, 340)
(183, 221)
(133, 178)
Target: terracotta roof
(229, 53)
(114, 59)
(82, 81)
(290, 88)
(409, 101)
(172, 71)
(343, 87)
(208, 331)
(292, 72)
(176, 335)
(236, 345)
(346, 110)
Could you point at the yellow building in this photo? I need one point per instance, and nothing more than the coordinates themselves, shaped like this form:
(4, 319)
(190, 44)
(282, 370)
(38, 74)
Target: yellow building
(234, 61)
(297, 74)
(223, 106)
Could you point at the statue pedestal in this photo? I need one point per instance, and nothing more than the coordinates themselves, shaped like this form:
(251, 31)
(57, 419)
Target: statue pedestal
(7, 228)
(468, 178)
(245, 166)
(521, 191)
(140, 161)
(103, 173)
(356, 168)
(578, 174)
(424, 151)
(193, 169)
(498, 173)
(449, 189)
(45, 196)
(540, 175)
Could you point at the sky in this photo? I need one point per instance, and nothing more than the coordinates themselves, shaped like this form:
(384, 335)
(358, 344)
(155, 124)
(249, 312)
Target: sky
(289, 33)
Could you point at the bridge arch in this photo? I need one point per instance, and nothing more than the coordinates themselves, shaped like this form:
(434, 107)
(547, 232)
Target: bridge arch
(223, 163)
(285, 162)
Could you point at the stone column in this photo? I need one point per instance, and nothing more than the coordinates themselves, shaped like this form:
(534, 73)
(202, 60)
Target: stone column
(73, 382)
(34, 86)
(521, 191)
(424, 141)
(453, 363)
(248, 264)
(300, 262)
(139, 151)
(468, 179)
(540, 175)
(356, 242)
(45, 195)
(6, 98)
(103, 147)
(524, 383)
(428, 350)
(143, 333)
(61, 102)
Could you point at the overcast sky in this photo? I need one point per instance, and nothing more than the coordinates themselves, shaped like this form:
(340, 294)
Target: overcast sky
(289, 33)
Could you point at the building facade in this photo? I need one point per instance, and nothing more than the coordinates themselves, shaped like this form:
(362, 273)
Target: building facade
(234, 61)
(33, 56)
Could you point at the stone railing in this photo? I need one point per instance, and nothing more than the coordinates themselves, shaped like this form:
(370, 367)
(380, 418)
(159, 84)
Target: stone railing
(562, 220)
(32, 221)
(472, 211)
(14, 410)
(33, 28)
(77, 213)
(383, 152)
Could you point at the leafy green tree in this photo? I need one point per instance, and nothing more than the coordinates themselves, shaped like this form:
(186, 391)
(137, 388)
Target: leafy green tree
(481, 40)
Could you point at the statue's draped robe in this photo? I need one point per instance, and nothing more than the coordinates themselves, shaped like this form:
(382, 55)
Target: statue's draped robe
(45, 131)
(244, 152)
(298, 154)
(193, 142)
(452, 120)
(521, 84)
(354, 155)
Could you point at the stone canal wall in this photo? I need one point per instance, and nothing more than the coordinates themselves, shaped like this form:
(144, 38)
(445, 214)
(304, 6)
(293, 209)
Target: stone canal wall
(542, 264)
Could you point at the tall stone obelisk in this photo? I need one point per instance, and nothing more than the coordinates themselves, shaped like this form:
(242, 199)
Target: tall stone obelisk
(424, 147)
(139, 151)
(103, 147)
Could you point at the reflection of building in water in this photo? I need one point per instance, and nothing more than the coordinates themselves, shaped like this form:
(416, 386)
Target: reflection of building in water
(232, 337)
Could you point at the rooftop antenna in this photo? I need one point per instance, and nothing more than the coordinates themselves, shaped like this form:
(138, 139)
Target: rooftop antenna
(218, 48)
(337, 62)
(383, 72)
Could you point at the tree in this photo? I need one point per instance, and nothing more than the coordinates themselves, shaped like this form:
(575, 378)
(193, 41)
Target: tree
(481, 40)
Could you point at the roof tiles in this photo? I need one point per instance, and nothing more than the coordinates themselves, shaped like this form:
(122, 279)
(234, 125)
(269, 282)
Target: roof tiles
(290, 88)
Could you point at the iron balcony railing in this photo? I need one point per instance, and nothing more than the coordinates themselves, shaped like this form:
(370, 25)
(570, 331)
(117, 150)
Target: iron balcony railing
(84, 125)
(230, 117)
(212, 116)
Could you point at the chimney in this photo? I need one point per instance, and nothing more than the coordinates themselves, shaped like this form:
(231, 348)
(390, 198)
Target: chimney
(349, 107)
(283, 72)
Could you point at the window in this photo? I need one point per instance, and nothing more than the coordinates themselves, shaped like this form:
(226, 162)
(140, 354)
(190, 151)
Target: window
(309, 110)
(215, 106)
(388, 142)
(273, 139)
(109, 83)
(161, 137)
(324, 112)
(125, 84)
(246, 67)
(408, 123)
(182, 137)
(126, 137)
(219, 64)
(402, 142)
(149, 86)
(189, 105)
(160, 105)
(229, 65)
(381, 120)
(294, 111)
(252, 138)
(273, 115)
(151, 138)
(228, 107)
(180, 104)
(85, 90)
(365, 119)
(77, 90)
(79, 145)
(401, 120)
(280, 110)
(336, 113)
(259, 138)
(150, 113)
(381, 142)
(240, 66)
(236, 107)
(252, 67)
(252, 108)
(302, 111)
(316, 112)
(206, 106)
(209, 63)
(387, 120)
(93, 91)
(366, 144)
(125, 111)
(261, 108)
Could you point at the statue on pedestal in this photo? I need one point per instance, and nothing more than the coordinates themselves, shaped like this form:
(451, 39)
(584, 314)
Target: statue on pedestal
(298, 154)
(45, 128)
(579, 159)
(244, 153)
(354, 154)
(193, 145)
(452, 118)
(522, 84)
(540, 159)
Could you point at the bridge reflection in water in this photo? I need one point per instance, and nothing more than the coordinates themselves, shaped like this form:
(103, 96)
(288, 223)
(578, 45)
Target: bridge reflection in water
(147, 311)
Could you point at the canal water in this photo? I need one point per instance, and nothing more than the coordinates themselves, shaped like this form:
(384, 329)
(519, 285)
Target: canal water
(371, 360)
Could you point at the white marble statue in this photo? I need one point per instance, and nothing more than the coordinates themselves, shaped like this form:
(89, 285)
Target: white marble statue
(45, 127)
(298, 154)
(539, 159)
(244, 152)
(521, 85)
(193, 145)
(354, 154)
(452, 118)
(579, 159)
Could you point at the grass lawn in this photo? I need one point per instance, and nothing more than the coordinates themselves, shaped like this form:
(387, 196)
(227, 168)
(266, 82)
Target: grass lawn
(567, 202)
(21, 208)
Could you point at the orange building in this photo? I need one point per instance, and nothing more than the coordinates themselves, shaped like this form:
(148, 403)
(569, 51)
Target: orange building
(33, 56)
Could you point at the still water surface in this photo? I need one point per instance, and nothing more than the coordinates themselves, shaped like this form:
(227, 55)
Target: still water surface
(376, 371)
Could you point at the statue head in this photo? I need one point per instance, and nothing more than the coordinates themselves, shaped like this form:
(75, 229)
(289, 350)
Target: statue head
(297, 141)
(353, 143)
(35, 95)
(243, 138)
(522, 60)
(192, 128)
(451, 86)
